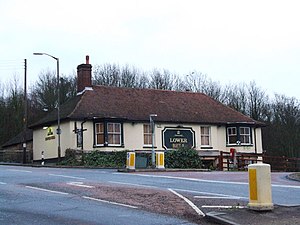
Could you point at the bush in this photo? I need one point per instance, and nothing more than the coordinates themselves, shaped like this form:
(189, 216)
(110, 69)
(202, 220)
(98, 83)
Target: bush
(71, 158)
(183, 158)
(105, 159)
(95, 158)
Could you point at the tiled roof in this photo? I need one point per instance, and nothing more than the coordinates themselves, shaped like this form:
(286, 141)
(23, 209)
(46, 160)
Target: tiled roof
(137, 104)
(19, 139)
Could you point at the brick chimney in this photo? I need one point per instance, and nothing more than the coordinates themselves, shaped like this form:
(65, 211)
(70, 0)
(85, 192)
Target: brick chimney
(84, 76)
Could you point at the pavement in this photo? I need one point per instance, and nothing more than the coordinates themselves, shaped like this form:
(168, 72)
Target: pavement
(280, 215)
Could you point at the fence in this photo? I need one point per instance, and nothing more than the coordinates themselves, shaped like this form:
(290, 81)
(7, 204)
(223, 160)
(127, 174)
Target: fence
(282, 163)
(240, 161)
(15, 156)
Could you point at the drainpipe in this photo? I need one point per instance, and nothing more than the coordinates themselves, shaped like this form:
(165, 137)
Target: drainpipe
(81, 130)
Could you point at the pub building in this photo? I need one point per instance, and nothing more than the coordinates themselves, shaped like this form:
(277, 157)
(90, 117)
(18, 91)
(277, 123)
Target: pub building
(116, 119)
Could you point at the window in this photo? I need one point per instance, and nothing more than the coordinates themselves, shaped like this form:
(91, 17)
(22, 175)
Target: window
(108, 134)
(147, 134)
(114, 133)
(239, 135)
(205, 136)
(99, 133)
(245, 136)
(231, 135)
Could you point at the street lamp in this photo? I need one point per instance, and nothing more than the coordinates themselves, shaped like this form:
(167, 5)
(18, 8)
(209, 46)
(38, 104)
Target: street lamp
(58, 102)
(152, 132)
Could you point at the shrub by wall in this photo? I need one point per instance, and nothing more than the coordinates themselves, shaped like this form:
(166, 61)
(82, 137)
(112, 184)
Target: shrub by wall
(105, 159)
(95, 158)
(183, 158)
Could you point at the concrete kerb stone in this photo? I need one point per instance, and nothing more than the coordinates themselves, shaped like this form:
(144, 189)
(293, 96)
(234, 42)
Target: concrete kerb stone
(247, 216)
(294, 176)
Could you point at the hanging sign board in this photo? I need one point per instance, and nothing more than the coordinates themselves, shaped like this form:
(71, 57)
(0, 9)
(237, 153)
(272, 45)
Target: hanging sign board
(174, 138)
(50, 134)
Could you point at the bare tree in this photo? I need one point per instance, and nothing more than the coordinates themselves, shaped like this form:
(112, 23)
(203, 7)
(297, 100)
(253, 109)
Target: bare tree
(44, 93)
(258, 102)
(142, 81)
(161, 80)
(107, 74)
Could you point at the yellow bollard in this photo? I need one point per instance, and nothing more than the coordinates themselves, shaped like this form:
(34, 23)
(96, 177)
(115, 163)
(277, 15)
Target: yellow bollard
(160, 160)
(130, 161)
(260, 191)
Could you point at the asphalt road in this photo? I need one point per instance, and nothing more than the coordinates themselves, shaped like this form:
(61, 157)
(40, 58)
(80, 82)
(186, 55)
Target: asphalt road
(23, 201)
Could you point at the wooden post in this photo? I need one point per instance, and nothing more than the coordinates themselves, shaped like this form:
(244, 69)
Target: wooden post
(221, 161)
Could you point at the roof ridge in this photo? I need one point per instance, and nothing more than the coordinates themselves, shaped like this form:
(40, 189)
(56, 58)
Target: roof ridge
(149, 89)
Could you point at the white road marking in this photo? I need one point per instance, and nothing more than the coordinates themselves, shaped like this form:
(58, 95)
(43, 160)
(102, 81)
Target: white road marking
(47, 190)
(208, 193)
(23, 171)
(202, 180)
(57, 175)
(2, 183)
(184, 178)
(109, 202)
(198, 211)
(80, 184)
(224, 206)
(218, 197)
(285, 186)
(184, 190)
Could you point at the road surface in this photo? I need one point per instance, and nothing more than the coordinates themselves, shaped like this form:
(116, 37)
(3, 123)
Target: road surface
(41, 195)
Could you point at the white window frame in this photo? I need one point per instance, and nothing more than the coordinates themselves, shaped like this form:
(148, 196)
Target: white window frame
(114, 133)
(232, 135)
(144, 133)
(238, 133)
(205, 136)
(246, 135)
(103, 133)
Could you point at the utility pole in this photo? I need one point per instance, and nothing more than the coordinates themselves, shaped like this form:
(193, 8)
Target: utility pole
(152, 126)
(25, 112)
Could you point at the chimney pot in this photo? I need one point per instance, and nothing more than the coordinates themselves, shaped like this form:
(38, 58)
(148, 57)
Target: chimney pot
(87, 59)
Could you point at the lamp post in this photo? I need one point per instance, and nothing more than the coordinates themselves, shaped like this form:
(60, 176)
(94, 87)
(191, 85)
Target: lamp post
(58, 103)
(152, 133)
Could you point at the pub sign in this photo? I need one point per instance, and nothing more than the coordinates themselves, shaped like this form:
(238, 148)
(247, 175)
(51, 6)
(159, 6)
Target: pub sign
(174, 138)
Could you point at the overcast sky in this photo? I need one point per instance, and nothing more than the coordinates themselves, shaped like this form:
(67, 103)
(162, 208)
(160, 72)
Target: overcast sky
(232, 41)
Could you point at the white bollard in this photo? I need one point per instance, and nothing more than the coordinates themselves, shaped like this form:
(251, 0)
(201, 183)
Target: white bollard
(260, 191)
(160, 160)
(130, 161)
(43, 162)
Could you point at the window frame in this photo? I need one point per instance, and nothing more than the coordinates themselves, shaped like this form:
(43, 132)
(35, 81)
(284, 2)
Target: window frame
(149, 135)
(113, 133)
(238, 134)
(102, 133)
(231, 134)
(245, 135)
(106, 134)
(205, 136)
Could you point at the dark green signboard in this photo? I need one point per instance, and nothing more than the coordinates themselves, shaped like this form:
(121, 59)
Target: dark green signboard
(174, 138)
